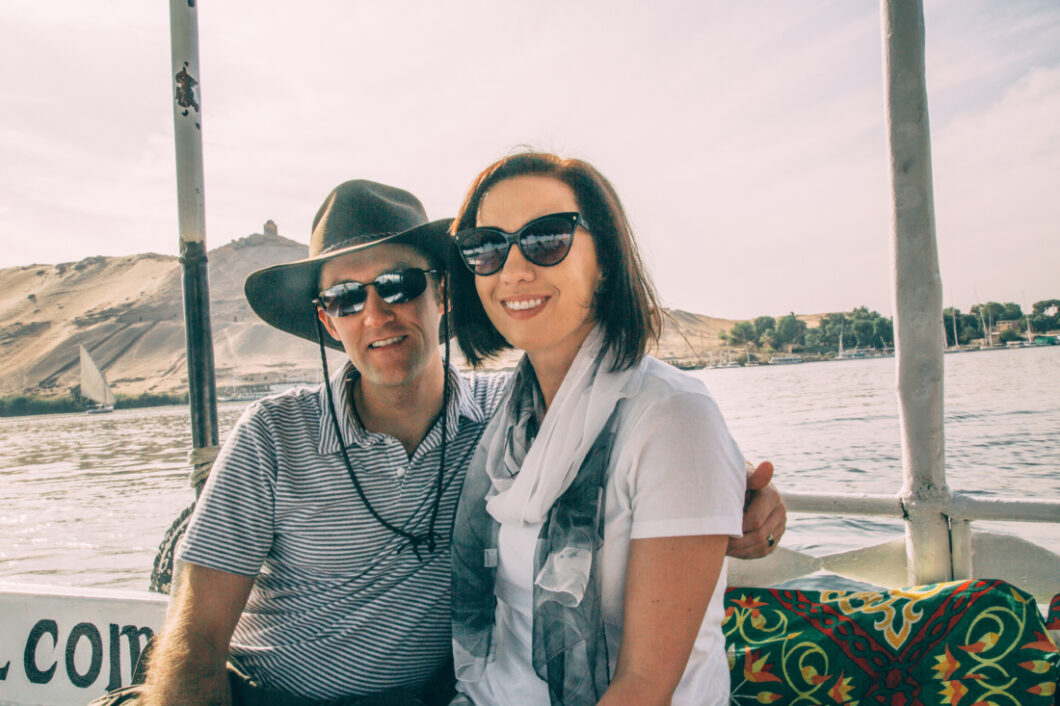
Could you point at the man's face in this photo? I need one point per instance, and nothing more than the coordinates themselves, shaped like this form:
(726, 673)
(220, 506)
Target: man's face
(389, 344)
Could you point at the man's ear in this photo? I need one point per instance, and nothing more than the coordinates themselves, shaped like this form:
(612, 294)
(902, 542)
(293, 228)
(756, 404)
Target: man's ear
(443, 291)
(326, 320)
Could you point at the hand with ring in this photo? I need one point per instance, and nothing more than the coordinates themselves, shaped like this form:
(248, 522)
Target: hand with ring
(765, 516)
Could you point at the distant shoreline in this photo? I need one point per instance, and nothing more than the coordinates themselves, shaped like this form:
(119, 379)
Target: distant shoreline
(25, 405)
(831, 356)
(31, 405)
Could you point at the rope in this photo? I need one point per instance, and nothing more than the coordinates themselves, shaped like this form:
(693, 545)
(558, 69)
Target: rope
(201, 461)
(162, 572)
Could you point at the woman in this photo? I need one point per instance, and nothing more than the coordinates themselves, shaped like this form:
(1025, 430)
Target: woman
(588, 548)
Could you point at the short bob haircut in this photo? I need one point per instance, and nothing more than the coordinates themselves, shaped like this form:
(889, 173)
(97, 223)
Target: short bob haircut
(631, 319)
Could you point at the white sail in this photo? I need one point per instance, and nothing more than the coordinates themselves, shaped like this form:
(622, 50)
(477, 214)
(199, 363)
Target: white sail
(93, 383)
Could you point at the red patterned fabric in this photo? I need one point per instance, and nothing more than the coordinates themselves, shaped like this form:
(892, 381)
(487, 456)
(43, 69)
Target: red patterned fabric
(1053, 621)
(966, 643)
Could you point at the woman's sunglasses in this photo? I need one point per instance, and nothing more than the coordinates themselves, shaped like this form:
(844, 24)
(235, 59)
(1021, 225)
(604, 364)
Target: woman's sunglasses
(544, 241)
(348, 298)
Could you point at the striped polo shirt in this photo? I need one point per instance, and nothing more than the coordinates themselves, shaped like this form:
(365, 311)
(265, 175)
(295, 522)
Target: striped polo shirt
(341, 605)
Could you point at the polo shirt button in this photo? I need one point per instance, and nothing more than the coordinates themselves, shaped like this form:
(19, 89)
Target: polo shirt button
(401, 471)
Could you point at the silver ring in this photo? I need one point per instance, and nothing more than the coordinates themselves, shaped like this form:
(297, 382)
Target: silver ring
(771, 539)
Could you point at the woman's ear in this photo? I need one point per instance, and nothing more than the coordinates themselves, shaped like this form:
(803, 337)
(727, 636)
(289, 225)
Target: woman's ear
(599, 291)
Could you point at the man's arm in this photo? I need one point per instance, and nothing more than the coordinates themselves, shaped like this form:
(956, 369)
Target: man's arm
(764, 517)
(187, 663)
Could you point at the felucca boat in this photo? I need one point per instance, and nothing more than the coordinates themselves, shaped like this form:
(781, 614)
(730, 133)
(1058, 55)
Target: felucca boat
(94, 385)
(956, 635)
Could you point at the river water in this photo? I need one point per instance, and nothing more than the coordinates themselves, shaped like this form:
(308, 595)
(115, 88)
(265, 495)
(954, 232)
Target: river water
(85, 499)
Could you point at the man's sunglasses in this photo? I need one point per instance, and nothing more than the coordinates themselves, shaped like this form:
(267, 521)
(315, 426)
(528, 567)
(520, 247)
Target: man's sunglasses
(348, 298)
(544, 241)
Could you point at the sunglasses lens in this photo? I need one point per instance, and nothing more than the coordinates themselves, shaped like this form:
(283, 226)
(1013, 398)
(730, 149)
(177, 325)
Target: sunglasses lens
(484, 250)
(344, 299)
(392, 287)
(547, 241)
(544, 242)
(398, 287)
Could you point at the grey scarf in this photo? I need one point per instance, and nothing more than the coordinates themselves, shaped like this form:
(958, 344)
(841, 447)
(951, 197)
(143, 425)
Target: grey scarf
(569, 646)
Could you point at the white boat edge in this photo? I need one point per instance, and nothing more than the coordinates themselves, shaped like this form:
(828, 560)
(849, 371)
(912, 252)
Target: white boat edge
(68, 645)
(40, 589)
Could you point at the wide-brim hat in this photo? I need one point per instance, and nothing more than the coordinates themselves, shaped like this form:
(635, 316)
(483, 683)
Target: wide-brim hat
(355, 216)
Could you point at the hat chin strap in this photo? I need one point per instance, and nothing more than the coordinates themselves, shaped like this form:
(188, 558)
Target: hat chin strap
(429, 539)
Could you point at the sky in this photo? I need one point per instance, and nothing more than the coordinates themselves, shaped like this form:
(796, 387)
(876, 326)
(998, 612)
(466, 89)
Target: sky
(746, 139)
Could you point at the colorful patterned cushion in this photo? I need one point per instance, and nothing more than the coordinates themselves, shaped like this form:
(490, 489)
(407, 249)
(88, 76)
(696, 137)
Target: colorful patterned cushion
(1053, 621)
(974, 642)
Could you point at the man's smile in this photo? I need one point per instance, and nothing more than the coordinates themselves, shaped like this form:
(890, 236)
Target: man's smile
(387, 342)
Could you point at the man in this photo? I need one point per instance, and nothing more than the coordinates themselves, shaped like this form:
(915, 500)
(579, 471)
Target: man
(317, 558)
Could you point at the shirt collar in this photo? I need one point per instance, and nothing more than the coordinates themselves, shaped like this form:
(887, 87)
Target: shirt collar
(462, 403)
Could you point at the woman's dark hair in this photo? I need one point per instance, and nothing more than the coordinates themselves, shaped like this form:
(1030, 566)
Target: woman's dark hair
(631, 319)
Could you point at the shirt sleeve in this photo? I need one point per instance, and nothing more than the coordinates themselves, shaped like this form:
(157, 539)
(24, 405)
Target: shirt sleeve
(231, 528)
(685, 473)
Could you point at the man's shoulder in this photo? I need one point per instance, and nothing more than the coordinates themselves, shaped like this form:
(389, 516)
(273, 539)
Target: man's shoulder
(486, 388)
(273, 431)
(303, 397)
(489, 381)
(282, 409)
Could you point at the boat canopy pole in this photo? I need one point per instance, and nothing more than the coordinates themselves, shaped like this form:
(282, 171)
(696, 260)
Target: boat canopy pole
(917, 294)
(187, 123)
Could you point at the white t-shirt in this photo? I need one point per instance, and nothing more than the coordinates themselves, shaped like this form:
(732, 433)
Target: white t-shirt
(674, 471)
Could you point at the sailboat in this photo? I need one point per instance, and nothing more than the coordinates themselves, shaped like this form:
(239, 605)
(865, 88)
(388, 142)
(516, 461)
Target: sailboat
(747, 355)
(94, 385)
(729, 362)
(844, 354)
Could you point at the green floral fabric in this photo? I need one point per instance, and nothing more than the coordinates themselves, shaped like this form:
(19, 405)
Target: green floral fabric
(968, 643)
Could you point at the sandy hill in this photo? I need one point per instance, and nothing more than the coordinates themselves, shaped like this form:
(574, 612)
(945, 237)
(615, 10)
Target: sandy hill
(128, 312)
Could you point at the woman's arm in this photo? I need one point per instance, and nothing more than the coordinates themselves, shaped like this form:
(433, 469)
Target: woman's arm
(669, 582)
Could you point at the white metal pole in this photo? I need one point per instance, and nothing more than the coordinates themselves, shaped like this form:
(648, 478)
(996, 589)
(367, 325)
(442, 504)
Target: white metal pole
(917, 293)
(187, 120)
(191, 211)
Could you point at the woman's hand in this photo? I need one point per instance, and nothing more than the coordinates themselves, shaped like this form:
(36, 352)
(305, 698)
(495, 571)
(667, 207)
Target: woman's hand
(669, 583)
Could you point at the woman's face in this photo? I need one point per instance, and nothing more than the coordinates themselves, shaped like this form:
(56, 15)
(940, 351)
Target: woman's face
(545, 311)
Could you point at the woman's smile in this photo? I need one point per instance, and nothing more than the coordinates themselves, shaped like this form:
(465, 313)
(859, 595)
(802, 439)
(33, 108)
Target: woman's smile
(524, 307)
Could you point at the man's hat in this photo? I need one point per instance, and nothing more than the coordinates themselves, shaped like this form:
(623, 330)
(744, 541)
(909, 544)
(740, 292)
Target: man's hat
(356, 215)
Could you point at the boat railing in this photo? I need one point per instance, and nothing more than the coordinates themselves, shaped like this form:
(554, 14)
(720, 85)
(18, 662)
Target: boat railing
(973, 553)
